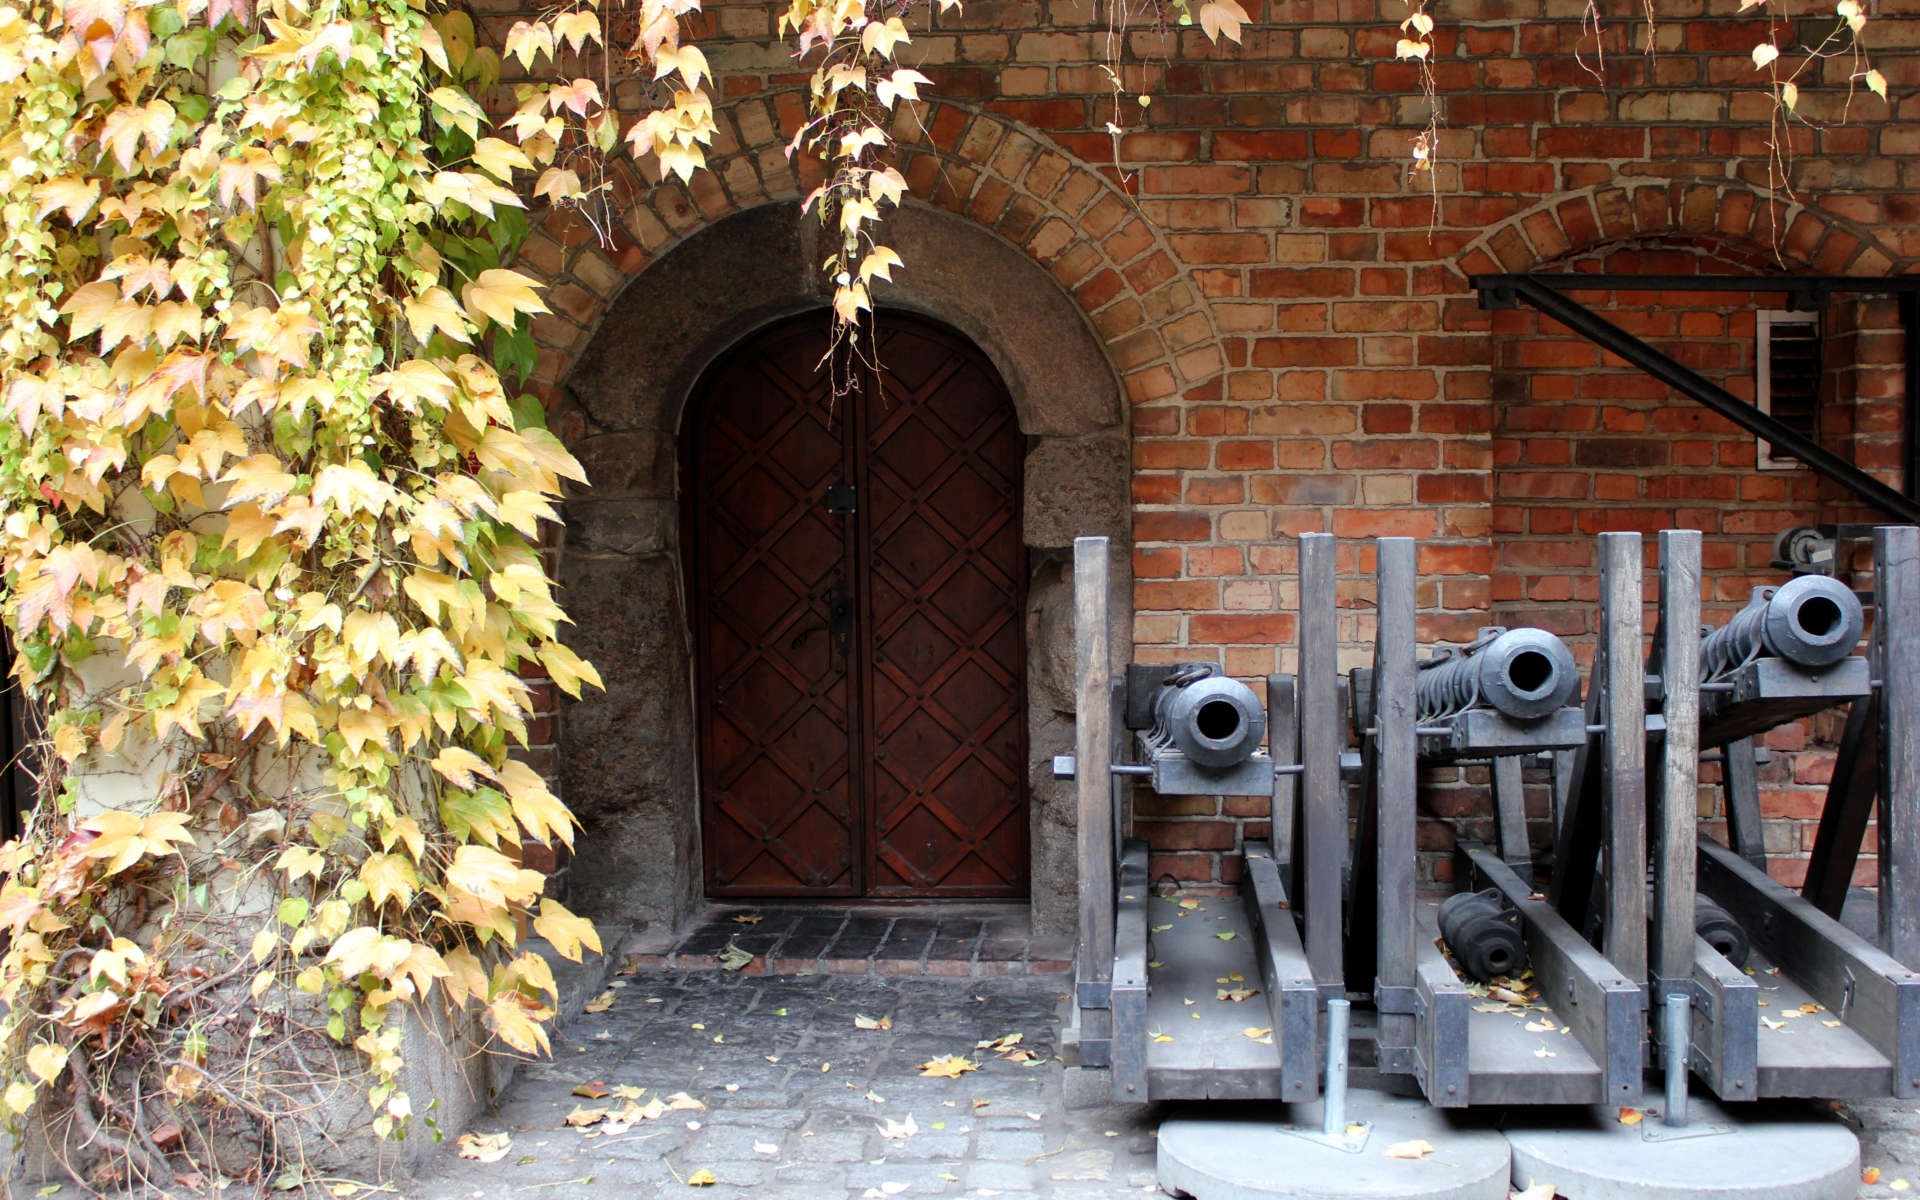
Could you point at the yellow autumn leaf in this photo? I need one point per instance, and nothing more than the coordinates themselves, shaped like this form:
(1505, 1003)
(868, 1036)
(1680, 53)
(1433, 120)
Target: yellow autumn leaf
(948, 1066)
(434, 309)
(567, 669)
(566, 931)
(459, 766)
(47, 1060)
(389, 877)
(500, 295)
(537, 808)
(702, 1178)
(1417, 1148)
(492, 877)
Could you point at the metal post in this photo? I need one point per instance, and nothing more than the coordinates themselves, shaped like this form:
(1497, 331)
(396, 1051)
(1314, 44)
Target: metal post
(1283, 744)
(1093, 777)
(1740, 787)
(1322, 793)
(1679, 756)
(1334, 1111)
(1679, 1027)
(1510, 811)
(1896, 645)
(1624, 766)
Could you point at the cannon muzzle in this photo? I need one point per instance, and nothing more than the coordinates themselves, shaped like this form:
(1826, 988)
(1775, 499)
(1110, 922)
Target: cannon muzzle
(1813, 621)
(1213, 720)
(1523, 673)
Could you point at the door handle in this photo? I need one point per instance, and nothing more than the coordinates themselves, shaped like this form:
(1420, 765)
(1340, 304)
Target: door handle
(839, 624)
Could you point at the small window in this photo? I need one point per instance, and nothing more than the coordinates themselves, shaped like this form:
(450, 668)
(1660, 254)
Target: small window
(1787, 360)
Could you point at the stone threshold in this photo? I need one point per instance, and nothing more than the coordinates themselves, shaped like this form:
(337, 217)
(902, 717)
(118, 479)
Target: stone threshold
(958, 940)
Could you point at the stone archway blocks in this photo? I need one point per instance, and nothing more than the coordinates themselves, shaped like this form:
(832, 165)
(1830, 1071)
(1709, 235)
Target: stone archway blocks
(1785, 1152)
(1232, 1152)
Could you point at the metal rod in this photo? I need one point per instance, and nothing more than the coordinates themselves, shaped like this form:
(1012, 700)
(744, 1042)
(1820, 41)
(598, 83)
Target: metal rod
(1679, 1029)
(1610, 337)
(1816, 285)
(1910, 331)
(1339, 1015)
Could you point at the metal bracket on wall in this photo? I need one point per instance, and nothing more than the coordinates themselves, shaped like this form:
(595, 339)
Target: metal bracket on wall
(1805, 293)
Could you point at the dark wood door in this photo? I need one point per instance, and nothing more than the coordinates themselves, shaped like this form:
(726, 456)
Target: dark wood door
(859, 583)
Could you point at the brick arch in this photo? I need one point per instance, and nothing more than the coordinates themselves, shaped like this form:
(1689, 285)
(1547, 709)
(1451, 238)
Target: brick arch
(1779, 234)
(1151, 318)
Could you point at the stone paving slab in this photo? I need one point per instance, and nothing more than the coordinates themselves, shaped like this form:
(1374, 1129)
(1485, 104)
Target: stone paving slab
(819, 1107)
(796, 939)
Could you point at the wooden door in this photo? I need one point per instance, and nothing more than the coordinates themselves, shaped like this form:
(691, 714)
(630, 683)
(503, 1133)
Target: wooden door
(859, 587)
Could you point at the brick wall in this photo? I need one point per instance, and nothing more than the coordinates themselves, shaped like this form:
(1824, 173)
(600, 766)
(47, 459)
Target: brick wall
(1288, 313)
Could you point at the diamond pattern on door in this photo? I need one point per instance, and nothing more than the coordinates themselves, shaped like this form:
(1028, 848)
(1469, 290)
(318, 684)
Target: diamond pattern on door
(861, 676)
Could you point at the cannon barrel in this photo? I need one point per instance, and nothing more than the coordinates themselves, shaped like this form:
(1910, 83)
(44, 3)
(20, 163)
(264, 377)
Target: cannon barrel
(1813, 621)
(1213, 720)
(1483, 934)
(1524, 673)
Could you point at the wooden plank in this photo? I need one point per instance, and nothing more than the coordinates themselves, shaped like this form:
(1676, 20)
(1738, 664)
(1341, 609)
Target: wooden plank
(1283, 746)
(1510, 807)
(1093, 779)
(1209, 1056)
(1678, 764)
(1726, 1024)
(1740, 789)
(1848, 809)
(1862, 985)
(1896, 589)
(1323, 793)
(1129, 995)
(1624, 773)
(1396, 865)
(1292, 997)
(1493, 1054)
(1805, 1056)
(1604, 1007)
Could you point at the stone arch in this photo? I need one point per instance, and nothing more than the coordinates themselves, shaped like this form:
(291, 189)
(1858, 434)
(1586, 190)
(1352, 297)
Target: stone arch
(626, 757)
(1565, 226)
(1140, 300)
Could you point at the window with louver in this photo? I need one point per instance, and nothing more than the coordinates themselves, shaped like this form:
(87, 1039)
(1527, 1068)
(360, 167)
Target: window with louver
(1787, 361)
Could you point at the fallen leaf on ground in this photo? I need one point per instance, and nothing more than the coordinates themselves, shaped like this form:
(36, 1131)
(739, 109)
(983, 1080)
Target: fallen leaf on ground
(1160, 1037)
(981, 1103)
(632, 967)
(765, 1148)
(1189, 1002)
(698, 1025)
(735, 958)
(1773, 1024)
(1034, 1116)
(652, 1110)
(1492, 1008)
(1417, 1148)
(1255, 1032)
(1898, 1185)
(743, 919)
(1831, 1024)
(1020, 1056)
(1236, 995)
(1535, 1191)
(1541, 1027)
(947, 1066)
(343, 1189)
(487, 1147)
(1543, 1052)
(592, 1091)
(602, 1002)
(866, 1022)
(877, 1099)
(999, 1045)
(1159, 928)
(1870, 1176)
(1189, 904)
(682, 1100)
(1156, 964)
(899, 1129)
(580, 1118)
(1225, 937)
(1810, 1008)
(772, 1058)
(702, 1178)
(626, 1091)
(1631, 1116)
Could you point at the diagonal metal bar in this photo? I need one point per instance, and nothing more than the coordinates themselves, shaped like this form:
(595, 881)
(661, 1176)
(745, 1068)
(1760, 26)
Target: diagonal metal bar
(1615, 340)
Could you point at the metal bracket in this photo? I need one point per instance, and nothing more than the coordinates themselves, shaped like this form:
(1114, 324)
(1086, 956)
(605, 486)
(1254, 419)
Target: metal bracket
(1402, 1000)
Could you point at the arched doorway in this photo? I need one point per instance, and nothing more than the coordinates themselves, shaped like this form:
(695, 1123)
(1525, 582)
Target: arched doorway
(858, 578)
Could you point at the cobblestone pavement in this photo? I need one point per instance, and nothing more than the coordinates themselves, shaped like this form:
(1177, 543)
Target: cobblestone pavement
(806, 1125)
(789, 1130)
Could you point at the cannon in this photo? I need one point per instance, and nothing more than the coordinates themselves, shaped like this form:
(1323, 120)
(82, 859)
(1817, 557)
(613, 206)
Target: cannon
(1786, 655)
(1506, 694)
(1198, 731)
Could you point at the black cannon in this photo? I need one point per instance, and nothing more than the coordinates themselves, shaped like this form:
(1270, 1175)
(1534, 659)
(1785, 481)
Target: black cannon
(1201, 732)
(1787, 654)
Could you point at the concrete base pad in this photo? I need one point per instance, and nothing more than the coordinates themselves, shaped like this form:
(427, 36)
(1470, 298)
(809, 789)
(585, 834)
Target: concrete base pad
(1222, 1151)
(1775, 1152)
